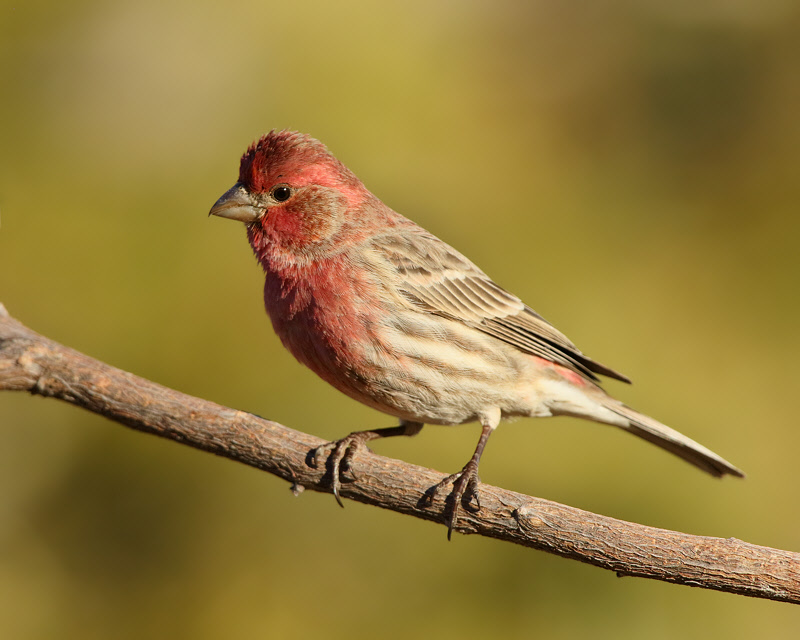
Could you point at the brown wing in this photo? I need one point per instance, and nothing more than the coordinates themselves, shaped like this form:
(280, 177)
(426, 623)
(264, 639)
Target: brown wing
(442, 281)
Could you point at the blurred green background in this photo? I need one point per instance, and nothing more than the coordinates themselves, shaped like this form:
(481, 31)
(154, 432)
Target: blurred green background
(630, 169)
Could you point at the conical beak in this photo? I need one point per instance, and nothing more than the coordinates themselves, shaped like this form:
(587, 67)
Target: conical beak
(237, 204)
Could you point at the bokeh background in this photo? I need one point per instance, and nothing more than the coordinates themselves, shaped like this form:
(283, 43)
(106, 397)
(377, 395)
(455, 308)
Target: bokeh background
(628, 168)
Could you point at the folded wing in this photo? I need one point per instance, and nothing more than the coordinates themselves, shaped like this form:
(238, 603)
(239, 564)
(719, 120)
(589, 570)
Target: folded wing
(438, 279)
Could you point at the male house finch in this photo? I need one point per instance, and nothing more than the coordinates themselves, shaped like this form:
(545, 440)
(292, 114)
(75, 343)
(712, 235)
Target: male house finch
(395, 318)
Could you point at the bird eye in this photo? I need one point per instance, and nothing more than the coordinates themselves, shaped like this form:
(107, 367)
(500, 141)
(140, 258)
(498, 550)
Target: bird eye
(281, 193)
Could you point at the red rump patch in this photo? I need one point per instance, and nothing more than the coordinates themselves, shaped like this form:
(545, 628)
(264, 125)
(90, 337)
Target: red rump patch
(297, 156)
(568, 374)
(571, 376)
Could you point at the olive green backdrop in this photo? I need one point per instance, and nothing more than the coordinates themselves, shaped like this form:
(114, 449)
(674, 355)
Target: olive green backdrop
(630, 169)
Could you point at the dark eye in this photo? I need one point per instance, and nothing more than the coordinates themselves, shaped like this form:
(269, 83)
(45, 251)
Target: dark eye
(282, 193)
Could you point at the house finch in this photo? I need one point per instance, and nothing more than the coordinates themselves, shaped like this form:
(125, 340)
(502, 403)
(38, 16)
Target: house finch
(397, 319)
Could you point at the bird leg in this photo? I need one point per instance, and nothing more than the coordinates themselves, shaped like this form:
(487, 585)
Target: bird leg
(465, 484)
(340, 459)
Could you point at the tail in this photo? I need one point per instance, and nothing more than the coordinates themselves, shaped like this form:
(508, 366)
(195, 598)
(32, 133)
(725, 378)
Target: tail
(674, 442)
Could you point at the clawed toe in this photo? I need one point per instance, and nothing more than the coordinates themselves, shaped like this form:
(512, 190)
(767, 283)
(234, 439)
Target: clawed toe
(464, 493)
(339, 464)
(340, 459)
(312, 458)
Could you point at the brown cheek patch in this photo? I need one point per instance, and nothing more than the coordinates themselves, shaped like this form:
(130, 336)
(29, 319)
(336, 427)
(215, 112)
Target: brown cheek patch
(286, 226)
(310, 218)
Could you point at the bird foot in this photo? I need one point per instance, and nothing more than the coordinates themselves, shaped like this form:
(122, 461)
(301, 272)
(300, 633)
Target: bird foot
(340, 459)
(464, 493)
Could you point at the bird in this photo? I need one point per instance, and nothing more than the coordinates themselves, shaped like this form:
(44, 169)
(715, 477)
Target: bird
(397, 319)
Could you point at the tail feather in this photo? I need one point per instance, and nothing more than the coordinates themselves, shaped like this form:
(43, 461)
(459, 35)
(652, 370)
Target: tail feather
(673, 441)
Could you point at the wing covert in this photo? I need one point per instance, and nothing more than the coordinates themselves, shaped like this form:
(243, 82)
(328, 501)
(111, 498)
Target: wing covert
(442, 281)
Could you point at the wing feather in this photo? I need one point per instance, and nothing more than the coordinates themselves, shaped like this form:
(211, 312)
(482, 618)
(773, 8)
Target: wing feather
(440, 280)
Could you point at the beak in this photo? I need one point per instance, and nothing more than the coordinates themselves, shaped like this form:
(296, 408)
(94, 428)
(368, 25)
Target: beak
(237, 204)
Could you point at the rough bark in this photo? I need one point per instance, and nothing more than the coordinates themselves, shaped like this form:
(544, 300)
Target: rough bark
(30, 362)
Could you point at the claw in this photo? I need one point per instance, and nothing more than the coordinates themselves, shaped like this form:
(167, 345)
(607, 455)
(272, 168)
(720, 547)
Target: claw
(340, 453)
(324, 451)
(313, 456)
(340, 459)
(465, 490)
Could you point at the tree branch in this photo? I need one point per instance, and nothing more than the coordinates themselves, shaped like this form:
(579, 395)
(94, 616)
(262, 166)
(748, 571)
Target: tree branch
(33, 363)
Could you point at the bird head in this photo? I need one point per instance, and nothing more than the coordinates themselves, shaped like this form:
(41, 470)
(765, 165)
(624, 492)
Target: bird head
(292, 194)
